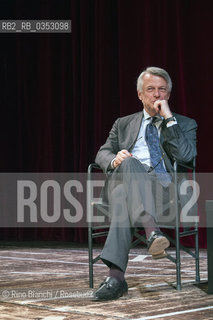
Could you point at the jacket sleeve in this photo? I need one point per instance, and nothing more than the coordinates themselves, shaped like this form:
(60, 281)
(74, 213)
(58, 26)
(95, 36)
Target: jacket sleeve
(180, 141)
(108, 151)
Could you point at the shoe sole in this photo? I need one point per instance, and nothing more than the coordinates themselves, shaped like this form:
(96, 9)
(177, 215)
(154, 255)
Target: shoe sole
(158, 246)
(162, 255)
(110, 299)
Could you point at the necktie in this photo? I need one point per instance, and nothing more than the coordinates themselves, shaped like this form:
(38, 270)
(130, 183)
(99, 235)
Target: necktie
(156, 157)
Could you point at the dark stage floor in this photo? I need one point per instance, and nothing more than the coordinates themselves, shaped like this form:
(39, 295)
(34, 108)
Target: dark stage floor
(50, 282)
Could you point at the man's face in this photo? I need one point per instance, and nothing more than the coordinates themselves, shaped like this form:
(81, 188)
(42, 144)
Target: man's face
(154, 88)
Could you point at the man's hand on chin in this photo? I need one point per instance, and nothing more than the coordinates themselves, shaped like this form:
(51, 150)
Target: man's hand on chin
(162, 108)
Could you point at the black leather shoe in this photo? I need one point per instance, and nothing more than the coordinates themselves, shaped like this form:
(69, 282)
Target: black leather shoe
(111, 289)
(157, 243)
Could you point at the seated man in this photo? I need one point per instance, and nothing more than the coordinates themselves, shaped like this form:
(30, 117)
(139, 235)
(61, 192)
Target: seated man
(141, 148)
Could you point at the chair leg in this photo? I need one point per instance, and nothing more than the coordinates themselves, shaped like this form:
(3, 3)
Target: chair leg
(197, 266)
(177, 230)
(178, 273)
(90, 257)
(91, 275)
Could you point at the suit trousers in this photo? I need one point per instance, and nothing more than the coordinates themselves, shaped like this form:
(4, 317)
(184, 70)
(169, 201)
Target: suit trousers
(132, 192)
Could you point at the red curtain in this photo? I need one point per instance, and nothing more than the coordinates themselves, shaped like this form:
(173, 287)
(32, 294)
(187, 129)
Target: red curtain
(60, 93)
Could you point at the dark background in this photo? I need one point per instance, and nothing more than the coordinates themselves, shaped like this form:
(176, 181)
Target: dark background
(61, 93)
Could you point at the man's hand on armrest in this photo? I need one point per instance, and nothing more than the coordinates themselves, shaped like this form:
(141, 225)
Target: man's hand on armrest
(121, 155)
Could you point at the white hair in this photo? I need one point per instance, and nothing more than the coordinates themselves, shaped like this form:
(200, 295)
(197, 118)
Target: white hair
(156, 72)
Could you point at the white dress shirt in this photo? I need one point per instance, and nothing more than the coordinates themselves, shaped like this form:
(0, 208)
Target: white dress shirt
(141, 150)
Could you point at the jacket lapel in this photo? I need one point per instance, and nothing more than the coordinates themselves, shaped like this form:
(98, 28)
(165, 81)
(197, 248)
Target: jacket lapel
(134, 127)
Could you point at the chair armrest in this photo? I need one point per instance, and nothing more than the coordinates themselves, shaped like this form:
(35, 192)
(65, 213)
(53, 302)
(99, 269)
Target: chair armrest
(93, 166)
(190, 165)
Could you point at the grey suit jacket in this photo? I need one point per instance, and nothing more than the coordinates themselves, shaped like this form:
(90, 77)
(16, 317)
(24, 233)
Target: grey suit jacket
(178, 141)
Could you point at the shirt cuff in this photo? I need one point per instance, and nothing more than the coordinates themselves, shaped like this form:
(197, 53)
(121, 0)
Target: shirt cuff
(171, 124)
(111, 164)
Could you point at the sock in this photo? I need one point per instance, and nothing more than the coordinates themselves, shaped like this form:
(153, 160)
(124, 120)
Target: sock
(149, 224)
(116, 273)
